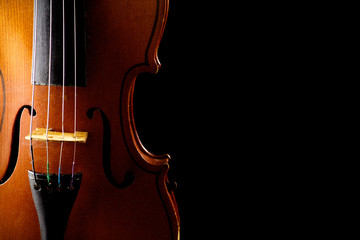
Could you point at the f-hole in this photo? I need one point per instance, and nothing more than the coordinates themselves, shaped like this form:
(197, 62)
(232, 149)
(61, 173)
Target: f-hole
(3, 104)
(14, 152)
(129, 176)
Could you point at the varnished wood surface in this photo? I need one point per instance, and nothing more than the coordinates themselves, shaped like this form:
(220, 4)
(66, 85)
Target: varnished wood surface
(122, 40)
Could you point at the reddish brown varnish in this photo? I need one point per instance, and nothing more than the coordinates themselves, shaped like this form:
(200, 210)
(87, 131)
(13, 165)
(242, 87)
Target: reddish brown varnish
(122, 41)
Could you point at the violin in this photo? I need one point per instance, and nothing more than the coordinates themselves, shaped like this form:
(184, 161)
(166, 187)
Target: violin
(72, 165)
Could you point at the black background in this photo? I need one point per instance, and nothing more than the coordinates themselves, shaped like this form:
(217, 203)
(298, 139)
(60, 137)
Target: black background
(244, 105)
(162, 102)
(186, 110)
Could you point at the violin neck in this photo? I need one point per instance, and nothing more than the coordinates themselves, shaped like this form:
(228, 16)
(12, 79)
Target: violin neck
(67, 39)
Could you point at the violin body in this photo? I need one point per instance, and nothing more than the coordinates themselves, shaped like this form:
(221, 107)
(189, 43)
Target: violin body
(124, 190)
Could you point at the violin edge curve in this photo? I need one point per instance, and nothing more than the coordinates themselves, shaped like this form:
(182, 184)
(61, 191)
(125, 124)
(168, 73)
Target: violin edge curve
(148, 160)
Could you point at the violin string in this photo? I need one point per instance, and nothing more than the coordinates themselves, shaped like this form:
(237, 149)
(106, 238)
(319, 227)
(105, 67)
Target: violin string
(63, 94)
(73, 167)
(33, 93)
(48, 103)
(75, 70)
(75, 97)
